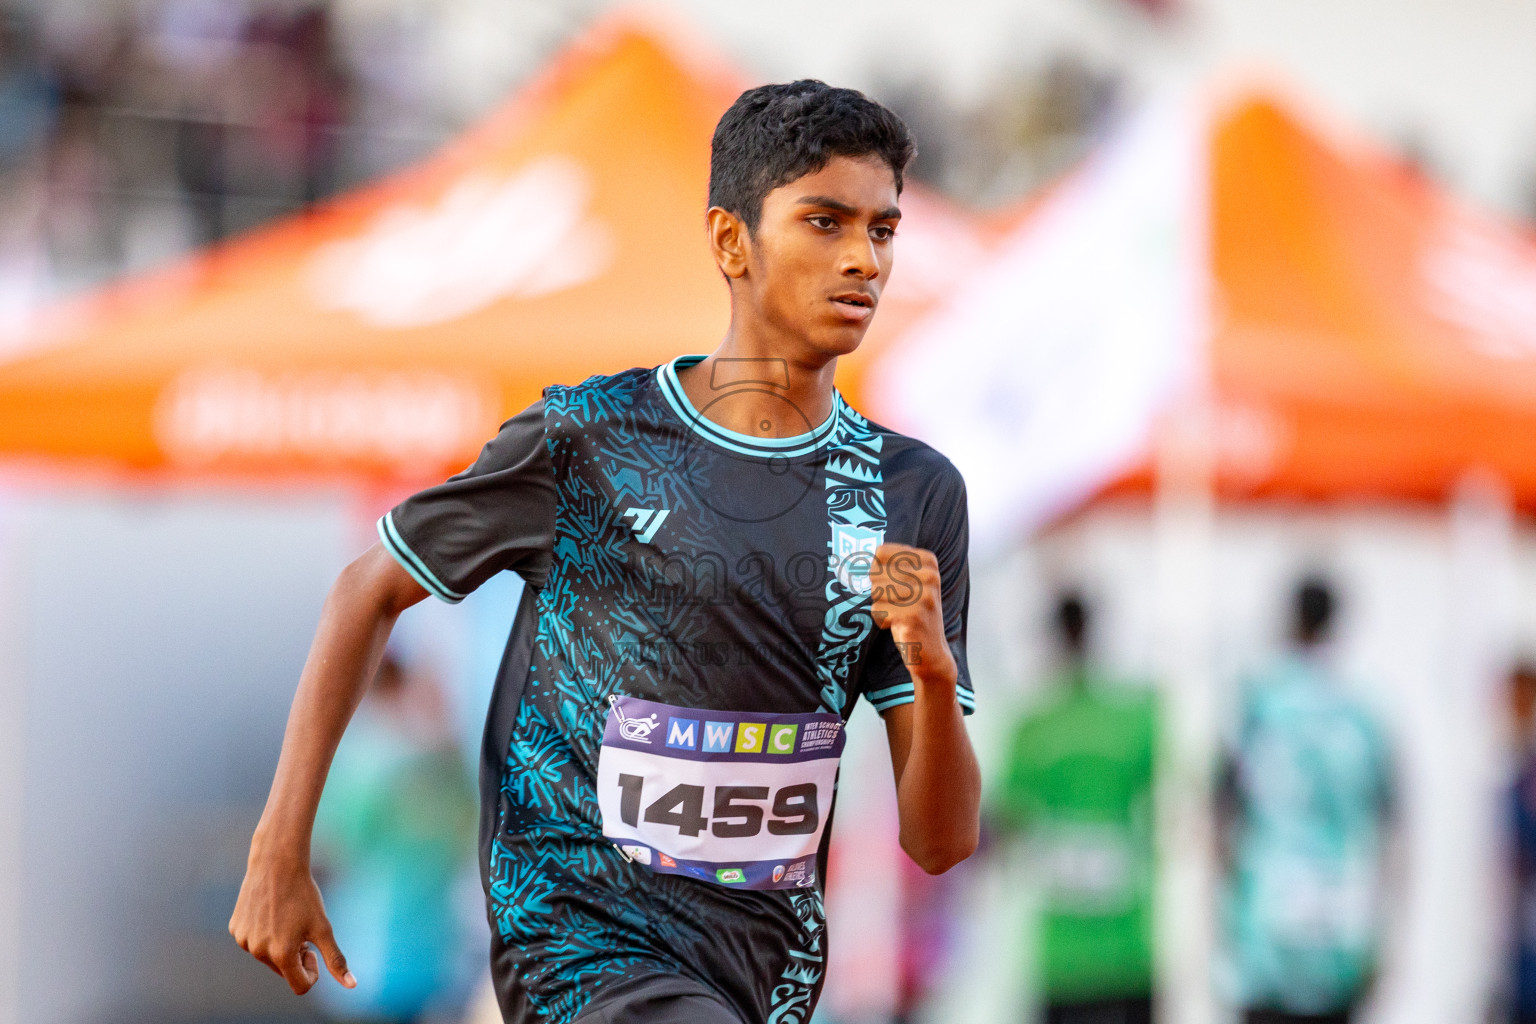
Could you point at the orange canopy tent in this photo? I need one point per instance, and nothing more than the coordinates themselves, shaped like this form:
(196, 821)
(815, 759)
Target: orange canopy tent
(1382, 335)
(1353, 331)
(387, 333)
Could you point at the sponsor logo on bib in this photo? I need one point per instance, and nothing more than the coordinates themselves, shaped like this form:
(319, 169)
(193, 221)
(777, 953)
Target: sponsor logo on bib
(800, 873)
(636, 730)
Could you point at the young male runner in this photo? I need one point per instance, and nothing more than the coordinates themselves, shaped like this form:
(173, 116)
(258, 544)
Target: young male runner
(721, 557)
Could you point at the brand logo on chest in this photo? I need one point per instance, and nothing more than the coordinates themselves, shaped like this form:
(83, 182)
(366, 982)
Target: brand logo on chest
(646, 521)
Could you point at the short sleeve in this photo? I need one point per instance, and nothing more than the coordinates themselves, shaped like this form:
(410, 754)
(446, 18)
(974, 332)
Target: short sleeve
(943, 529)
(498, 514)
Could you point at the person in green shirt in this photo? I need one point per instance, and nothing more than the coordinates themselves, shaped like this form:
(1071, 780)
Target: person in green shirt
(1078, 787)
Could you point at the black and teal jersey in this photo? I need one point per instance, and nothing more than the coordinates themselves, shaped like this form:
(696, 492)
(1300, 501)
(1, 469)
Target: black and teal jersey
(694, 632)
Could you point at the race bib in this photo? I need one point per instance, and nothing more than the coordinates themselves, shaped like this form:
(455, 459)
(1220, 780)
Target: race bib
(738, 799)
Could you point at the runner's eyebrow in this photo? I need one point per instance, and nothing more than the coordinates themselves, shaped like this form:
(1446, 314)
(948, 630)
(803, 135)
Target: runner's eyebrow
(889, 213)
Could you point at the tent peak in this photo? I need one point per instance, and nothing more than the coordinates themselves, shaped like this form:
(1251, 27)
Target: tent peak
(1270, 103)
(663, 29)
(659, 33)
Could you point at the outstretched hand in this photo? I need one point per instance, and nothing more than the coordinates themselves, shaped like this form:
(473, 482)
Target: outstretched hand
(280, 920)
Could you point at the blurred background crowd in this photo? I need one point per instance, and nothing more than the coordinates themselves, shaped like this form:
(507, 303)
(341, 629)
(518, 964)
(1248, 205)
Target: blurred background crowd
(1253, 751)
(136, 131)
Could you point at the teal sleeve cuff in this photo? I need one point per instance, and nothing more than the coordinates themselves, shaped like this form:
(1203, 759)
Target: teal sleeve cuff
(905, 693)
(412, 563)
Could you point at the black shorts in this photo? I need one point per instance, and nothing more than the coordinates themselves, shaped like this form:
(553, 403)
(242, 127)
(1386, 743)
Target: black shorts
(1129, 1010)
(660, 1000)
(1343, 1016)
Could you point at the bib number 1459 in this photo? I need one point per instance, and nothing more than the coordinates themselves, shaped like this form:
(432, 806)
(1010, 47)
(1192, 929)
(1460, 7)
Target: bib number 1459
(736, 812)
(739, 799)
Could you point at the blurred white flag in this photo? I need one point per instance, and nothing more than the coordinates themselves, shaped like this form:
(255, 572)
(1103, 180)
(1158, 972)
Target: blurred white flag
(1042, 377)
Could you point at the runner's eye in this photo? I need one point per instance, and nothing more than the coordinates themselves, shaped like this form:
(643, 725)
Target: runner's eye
(822, 221)
(883, 232)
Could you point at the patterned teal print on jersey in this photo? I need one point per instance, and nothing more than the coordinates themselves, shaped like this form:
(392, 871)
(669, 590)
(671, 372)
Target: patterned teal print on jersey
(856, 514)
(548, 860)
(794, 998)
(670, 583)
(856, 521)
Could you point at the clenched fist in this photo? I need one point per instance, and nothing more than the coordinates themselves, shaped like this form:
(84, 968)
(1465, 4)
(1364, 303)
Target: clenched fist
(906, 598)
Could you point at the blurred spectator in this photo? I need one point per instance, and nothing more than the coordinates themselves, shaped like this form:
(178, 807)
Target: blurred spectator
(28, 113)
(1078, 785)
(1305, 821)
(1029, 128)
(131, 133)
(28, 94)
(1522, 829)
(395, 836)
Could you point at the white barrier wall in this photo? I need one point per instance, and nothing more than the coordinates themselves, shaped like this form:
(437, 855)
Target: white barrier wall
(12, 761)
(1434, 602)
(152, 643)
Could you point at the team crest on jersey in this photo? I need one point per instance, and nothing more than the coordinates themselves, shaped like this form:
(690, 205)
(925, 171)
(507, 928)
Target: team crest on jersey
(853, 551)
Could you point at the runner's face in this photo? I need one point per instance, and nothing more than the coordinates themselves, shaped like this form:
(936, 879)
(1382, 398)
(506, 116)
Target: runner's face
(822, 252)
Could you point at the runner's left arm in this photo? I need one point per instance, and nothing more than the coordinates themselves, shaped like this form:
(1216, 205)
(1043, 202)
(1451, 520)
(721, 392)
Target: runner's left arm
(920, 597)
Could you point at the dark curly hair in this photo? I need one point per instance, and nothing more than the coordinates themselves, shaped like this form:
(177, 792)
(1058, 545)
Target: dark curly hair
(774, 134)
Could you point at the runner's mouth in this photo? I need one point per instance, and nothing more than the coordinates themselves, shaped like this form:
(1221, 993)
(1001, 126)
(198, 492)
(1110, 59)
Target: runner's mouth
(854, 305)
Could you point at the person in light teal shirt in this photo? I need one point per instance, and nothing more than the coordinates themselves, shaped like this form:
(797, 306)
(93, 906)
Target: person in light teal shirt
(1306, 825)
(395, 832)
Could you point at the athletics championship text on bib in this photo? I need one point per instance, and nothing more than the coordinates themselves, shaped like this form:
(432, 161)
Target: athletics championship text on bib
(739, 799)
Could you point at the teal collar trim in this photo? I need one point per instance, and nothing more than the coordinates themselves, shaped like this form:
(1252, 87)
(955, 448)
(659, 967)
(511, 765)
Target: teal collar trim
(734, 441)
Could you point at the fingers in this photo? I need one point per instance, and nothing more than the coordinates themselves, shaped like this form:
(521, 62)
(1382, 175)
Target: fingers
(294, 960)
(904, 579)
(257, 949)
(895, 560)
(296, 964)
(262, 956)
(301, 969)
(334, 961)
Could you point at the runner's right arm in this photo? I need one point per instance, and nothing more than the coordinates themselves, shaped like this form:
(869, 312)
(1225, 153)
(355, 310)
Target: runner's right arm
(279, 912)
